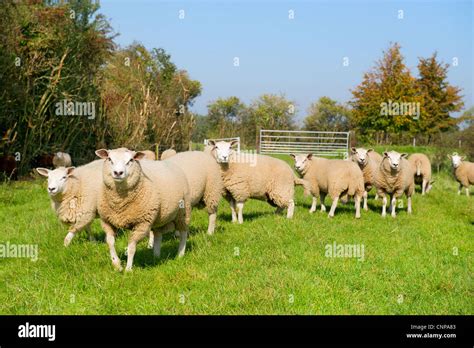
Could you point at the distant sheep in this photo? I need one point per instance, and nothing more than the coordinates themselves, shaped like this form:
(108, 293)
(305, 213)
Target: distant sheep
(255, 176)
(43, 161)
(395, 177)
(62, 159)
(422, 167)
(74, 193)
(8, 167)
(463, 172)
(149, 155)
(369, 162)
(167, 154)
(338, 178)
(143, 196)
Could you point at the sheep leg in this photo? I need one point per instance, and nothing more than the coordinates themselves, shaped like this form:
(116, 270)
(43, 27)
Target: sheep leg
(212, 223)
(333, 206)
(460, 188)
(138, 234)
(240, 208)
(231, 201)
(423, 187)
(357, 204)
(110, 239)
(158, 237)
(314, 205)
(409, 205)
(467, 191)
(365, 201)
(384, 206)
(322, 198)
(291, 209)
(376, 196)
(80, 225)
(151, 240)
(393, 203)
(182, 243)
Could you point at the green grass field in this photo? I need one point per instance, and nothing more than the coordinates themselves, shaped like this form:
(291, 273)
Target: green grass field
(418, 264)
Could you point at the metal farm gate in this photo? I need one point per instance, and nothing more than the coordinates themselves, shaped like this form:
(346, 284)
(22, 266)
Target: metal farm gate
(226, 139)
(324, 144)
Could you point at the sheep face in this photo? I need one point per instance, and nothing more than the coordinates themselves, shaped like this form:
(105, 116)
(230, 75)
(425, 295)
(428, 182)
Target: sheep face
(394, 158)
(223, 150)
(57, 179)
(456, 160)
(360, 155)
(120, 163)
(301, 161)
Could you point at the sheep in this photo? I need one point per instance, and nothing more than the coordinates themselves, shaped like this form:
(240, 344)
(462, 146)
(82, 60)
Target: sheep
(143, 196)
(167, 154)
(255, 176)
(422, 167)
(74, 193)
(368, 161)
(338, 178)
(8, 167)
(204, 179)
(149, 155)
(395, 177)
(463, 172)
(61, 159)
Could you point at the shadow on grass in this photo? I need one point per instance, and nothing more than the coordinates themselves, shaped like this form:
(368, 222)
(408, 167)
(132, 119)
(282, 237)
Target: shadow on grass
(248, 216)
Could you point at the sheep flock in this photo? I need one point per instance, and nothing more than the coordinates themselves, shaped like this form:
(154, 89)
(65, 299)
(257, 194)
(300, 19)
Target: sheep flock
(129, 189)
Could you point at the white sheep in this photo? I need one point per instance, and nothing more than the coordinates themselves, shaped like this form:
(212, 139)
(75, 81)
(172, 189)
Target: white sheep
(204, 179)
(62, 159)
(255, 176)
(149, 155)
(422, 168)
(143, 196)
(463, 172)
(369, 162)
(74, 193)
(395, 177)
(167, 154)
(338, 178)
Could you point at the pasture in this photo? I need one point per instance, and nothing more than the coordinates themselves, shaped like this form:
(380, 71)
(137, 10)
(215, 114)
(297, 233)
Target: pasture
(419, 264)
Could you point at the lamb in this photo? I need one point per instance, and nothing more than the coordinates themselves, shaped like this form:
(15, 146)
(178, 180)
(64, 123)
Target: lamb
(149, 155)
(74, 193)
(255, 176)
(143, 196)
(395, 177)
(463, 172)
(167, 154)
(204, 179)
(61, 159)
(368, 161)
(422, 167)
(338, 178)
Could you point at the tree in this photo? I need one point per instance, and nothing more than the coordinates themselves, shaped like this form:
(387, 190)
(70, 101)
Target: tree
(225, 116)
(327, 115)
(439, 97)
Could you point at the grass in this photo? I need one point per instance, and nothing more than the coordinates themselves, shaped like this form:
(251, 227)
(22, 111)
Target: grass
(419, 264)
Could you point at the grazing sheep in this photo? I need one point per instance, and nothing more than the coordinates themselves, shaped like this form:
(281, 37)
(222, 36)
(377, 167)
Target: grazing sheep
(395, 177)
(369, 162)
(422, 167)
(74, 193)
(62, 159)
(8, 167)
(149, 155)
(338, 178)
(167, 154)
(204, 179)
(463, 172)
(143, 196)
(255, 176)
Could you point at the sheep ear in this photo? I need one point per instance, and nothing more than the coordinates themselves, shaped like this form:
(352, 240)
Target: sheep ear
(404, 155)
(102, 153)
(310, 155)
(69, 170)
(139, 156)
(43, 171)
(385, 154)
(292, 155)
(353, 150)
(449, 156)
(211, 142)
(234, 142)
(370, 150)
(463, 158)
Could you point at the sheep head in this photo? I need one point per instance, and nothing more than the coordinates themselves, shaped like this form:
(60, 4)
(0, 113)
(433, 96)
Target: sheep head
(120, 163)
(57, 179)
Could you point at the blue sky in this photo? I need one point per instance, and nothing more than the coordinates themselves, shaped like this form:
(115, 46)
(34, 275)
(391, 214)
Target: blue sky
(303, 57)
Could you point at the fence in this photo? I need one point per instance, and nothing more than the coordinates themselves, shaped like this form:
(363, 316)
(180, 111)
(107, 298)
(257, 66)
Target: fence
(326, 144)
(226, 139)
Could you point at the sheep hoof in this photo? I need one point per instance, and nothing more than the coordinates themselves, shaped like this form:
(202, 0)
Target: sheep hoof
(311, 211)
(128, 269)
(366, 208)
(323, 209)
(330, 216)
(118, 267)
(68, 239)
